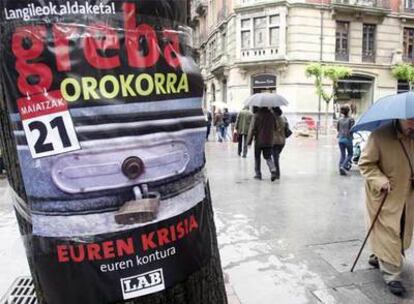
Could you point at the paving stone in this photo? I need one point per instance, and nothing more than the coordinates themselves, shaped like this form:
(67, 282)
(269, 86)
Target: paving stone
(341, 255)
(342, 295)
(378, 292)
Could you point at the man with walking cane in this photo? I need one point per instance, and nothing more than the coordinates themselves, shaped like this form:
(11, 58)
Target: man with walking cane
(387, 166)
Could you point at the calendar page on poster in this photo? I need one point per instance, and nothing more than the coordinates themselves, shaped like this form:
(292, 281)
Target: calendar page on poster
(48, 125)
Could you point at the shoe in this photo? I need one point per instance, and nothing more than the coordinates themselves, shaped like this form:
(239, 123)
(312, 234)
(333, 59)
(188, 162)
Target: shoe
(273, 176)
(258, 177)
(244, 156)
(396, 288)
(342, 171)
(373, 261)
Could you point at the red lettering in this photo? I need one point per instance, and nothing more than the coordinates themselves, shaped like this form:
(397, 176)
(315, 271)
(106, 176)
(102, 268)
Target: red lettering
(27, 44)
(147, 241)
(100, 37)
(135, 39)
(94, 252)
(193, 223)
(125, 247)
(186, 226)
(62, 252)
(172, 231)
(62, 35)
(180, 230)
(79, 256)
(171, 51)
(162, 236)
(108, 249)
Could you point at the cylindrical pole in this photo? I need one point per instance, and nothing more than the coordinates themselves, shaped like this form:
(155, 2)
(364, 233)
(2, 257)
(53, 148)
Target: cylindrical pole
(320, 60)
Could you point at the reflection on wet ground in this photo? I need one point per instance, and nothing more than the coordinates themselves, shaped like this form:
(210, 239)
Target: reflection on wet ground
(13, 261)
(287, 242)
(294, 240)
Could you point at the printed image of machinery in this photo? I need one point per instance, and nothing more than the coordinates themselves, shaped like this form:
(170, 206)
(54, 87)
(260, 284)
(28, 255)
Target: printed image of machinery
(137, 165)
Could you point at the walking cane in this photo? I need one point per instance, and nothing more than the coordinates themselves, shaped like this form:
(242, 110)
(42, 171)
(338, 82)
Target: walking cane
(369, 231)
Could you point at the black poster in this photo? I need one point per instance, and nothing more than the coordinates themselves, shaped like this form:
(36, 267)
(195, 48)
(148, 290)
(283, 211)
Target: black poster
(105, 104)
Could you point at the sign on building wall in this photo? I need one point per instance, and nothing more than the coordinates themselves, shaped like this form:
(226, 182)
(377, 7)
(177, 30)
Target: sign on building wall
(264, 81)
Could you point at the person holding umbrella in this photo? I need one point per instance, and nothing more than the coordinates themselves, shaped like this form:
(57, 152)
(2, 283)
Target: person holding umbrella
(386, 163)
(262, 129)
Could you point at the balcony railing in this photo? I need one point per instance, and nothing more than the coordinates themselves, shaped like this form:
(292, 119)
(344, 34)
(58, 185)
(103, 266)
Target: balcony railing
(341, 56)
(258, 54)
(408, 58)
(251, 2)
(380, 4)
(368, 56)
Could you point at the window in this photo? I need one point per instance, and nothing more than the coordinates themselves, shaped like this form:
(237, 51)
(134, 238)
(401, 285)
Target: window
(402, 86)
(409, 4)
(245, 34)
(342, 40)
(260, 32)
(245, 24)
(274, 22)
(245, 39)
(408, 43)
(212, 50)
(368, 42)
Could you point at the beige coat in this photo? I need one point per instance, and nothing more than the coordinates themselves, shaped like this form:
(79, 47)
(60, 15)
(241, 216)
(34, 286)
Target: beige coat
(383, 159)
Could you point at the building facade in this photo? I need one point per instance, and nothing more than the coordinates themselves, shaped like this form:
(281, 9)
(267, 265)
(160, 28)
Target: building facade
(249, 46)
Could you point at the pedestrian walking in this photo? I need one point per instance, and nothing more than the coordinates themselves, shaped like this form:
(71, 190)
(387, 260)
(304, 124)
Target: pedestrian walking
(279, 138)
(226, 122)
(262, 131)
(220, 127)
(344, 126)
(242, 125)
(386, 163)
(209, 121)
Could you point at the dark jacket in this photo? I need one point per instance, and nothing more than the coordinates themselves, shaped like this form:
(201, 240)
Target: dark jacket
(226, 119)
(344, 127)
(262, 128)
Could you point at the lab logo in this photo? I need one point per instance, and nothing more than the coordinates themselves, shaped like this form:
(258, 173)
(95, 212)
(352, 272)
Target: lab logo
(143, 284)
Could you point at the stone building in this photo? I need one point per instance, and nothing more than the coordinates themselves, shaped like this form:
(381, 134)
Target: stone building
(249, 46)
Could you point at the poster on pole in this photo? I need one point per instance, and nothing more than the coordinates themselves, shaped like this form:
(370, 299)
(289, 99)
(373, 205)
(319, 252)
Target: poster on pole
(104, 99)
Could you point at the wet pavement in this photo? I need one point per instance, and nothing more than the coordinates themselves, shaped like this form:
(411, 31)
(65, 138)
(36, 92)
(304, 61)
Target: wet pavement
(289, 241)
(294, 240)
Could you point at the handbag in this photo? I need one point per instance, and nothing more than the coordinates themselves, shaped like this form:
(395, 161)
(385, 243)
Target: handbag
(235, 138)
(288, 131)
